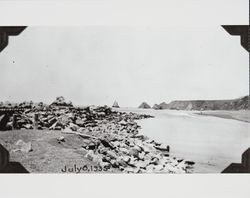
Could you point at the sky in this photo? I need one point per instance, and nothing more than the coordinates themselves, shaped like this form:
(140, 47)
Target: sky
(128, 63)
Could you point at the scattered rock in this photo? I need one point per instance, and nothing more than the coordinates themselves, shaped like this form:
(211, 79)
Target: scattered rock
(126, 158)
(123, 122)
(189, 163)
(141, 156)
(53, 126)
(80, 122)
(106, 144)
(28, 126)
(61, 139)
(134, 152)
(23, 146)
(163, 148)
(90, 155)
(91, 146)
(73, 127)
(124, 150)
(111, 155)
(52, 121)
(155, 161)
(105, 165)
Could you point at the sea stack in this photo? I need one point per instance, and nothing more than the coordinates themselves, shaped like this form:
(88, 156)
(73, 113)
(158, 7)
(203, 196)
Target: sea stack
(156, 107)
(144, 105)
(115, 105)
(163, 105)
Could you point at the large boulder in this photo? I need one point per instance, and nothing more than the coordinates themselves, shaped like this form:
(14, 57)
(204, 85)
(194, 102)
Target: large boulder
(60, 101)
(144, 105)
(26, 104)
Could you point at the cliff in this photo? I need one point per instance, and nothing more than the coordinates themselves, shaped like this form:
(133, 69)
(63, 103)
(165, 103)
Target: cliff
(236, 104)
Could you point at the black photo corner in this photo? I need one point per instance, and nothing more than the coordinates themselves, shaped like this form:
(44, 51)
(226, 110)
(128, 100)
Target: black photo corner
(7, 166)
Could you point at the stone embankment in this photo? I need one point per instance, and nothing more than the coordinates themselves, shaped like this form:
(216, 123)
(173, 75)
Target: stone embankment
(110, 138)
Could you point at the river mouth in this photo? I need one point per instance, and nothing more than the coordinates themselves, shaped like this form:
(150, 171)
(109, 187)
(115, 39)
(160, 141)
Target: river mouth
(212, 142)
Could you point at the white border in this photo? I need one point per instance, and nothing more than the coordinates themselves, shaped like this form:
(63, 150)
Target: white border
(137, 12)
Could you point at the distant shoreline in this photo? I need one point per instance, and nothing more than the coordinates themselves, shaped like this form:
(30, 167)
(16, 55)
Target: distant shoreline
(243, 116)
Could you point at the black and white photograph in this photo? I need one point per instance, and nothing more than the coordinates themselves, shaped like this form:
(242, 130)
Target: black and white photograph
(123, 99)
(143, 88)
(135, 98)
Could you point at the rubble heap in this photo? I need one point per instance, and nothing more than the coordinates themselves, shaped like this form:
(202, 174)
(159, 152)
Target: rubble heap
(110, 138)
(60, 101)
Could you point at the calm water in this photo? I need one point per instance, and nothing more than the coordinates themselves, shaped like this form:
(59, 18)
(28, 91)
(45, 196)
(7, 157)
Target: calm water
(212, 142)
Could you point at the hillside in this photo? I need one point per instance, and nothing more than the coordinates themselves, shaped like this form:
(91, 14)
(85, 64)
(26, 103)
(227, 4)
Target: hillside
(236, 104)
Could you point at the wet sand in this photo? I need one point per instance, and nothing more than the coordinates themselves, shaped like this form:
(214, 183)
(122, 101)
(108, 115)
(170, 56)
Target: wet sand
(212, 142)
(242, 115)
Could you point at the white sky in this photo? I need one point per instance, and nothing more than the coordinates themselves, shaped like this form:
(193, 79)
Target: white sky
(130, 64)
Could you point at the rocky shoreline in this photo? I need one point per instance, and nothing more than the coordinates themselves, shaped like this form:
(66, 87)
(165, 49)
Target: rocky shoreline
(110, 138)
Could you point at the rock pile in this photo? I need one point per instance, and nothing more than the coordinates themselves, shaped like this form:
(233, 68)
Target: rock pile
(136, 154)
(70, 119)
(60, 101)
(109, 137)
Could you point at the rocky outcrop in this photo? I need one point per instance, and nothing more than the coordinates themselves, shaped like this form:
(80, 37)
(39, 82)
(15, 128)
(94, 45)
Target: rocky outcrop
(156, 106)
(144, 105)
(237, 104)
(115, 105)
(61, 102)
(163, 105)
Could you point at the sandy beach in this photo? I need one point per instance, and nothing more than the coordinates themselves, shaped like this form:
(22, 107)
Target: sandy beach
(212, 142)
